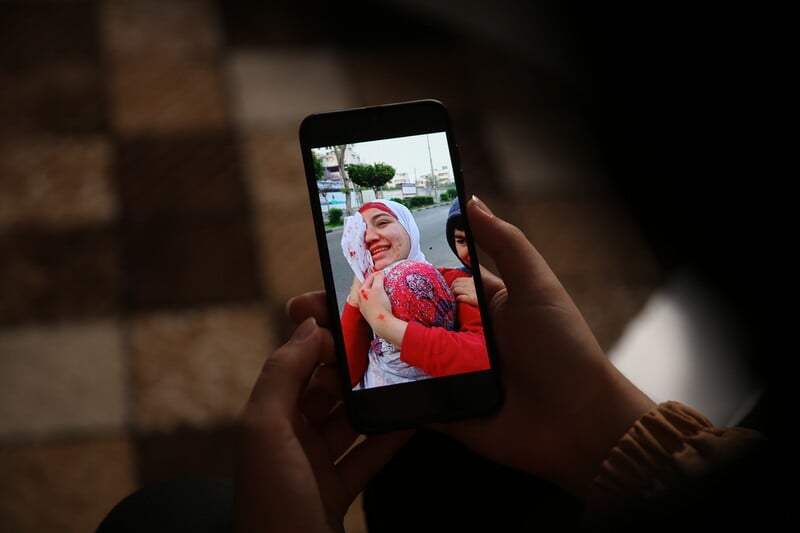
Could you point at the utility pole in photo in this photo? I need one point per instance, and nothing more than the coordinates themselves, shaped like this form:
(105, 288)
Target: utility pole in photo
(433, 173)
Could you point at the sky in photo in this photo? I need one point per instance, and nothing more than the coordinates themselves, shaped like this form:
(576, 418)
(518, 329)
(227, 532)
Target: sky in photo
(406, 154)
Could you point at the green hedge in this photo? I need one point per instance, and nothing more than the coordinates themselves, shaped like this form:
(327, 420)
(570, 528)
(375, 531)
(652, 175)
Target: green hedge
(448, 195)
(417, 201)
(335, 215)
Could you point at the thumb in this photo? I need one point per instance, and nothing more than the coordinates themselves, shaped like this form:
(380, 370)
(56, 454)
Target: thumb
(491, 283)
(368, 281)
(377, 282)
(373, 281)
(521, 266)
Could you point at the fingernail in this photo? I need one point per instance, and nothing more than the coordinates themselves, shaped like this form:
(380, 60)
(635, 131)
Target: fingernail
(289, 304)
(305, 329)
(482, 206)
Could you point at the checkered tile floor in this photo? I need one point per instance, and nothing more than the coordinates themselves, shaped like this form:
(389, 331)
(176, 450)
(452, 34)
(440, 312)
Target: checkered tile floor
(153, 217)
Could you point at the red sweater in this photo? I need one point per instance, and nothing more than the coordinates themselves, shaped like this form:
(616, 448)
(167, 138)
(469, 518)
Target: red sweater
(434, 350)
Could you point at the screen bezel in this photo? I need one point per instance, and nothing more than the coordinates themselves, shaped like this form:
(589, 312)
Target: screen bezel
(410, 404)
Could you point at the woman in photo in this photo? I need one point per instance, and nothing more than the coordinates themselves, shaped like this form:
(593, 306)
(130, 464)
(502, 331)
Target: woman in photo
(402, 323)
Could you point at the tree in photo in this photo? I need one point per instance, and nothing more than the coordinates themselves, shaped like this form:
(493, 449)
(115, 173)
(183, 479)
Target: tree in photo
(340, 150)
(373, 176)
(323, 186)
(319, 167)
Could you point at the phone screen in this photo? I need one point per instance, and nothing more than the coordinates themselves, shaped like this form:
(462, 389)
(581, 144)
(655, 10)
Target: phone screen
(399, 266)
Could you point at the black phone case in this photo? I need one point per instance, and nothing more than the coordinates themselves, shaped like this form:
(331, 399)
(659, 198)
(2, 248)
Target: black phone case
(412, 404)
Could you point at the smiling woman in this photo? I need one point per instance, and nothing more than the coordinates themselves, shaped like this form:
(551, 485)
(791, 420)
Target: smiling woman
(399, 322)
(386, 238)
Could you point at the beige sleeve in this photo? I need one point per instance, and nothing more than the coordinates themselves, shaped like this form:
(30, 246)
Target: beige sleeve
(668, 447)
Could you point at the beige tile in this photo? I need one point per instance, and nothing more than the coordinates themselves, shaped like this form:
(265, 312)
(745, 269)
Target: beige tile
(354, 521)
(63, 486)
(158, 97)
(196, 368)
(56, 181)
(274, 169)
(169, 30)
(64, 378)
(288, 251)
(279, 88)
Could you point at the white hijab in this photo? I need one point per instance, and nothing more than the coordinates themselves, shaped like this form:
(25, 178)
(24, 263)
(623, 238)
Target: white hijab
(355, 248)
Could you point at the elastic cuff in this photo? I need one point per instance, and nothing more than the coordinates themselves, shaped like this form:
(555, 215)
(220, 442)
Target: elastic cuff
(647, 459)
(662, 458)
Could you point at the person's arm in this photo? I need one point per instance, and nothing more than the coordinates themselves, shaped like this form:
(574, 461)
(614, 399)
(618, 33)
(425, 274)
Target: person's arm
(298, 464)
(375, 307)
(356, 333)
(463, 288)
(434, 350)
(669, 457)
(569, 416)
(441, 352)
(566, 405)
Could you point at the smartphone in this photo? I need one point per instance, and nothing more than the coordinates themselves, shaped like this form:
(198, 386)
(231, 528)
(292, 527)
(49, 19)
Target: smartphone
(384, 184)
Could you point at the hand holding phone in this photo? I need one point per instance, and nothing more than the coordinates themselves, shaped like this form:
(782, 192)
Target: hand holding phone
(426, 357)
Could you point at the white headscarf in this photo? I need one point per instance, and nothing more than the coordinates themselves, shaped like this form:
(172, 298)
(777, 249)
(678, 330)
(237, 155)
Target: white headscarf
(355, 248)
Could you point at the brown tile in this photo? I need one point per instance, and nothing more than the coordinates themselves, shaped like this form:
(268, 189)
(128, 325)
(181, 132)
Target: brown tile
(186, 453)
(288, 250)
(179, 176)
(274, 169)
(63, 378)
(56, 181)
(586, 237)
(251, 23)
(510, 83)
(280, 87)
(43, 32)
(483, 174)
(171, 30)
(254, 23)
(52, 274)
(534, 122)
(400, 72)
(158, 97)
(196, 368)
(63, 486)
(190, 262)
(49, 68)
(543, 156)
(63, 97)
